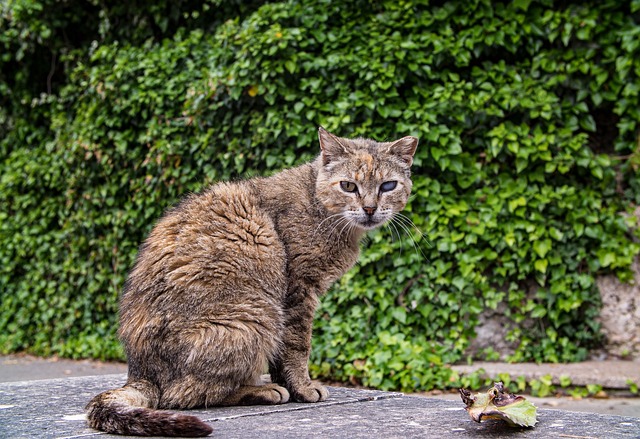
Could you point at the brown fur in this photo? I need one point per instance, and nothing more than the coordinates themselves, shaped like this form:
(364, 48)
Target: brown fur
(228, 281)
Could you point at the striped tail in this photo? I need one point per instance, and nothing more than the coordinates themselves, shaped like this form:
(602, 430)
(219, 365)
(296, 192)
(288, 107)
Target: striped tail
(127, 411)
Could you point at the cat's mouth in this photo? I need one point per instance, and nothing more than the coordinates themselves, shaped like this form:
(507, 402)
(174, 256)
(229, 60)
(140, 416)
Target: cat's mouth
(365, 221)
(369, 222)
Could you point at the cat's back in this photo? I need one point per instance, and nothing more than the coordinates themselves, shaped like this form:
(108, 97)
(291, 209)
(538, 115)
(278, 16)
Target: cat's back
(227, 213)
(208, 244)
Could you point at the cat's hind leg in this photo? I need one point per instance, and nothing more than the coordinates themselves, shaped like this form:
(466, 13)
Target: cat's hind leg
(190, 392)
(221, 363)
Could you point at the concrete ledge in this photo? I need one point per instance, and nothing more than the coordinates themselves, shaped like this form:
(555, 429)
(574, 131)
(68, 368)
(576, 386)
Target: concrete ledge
(54, 409)
(608, 374)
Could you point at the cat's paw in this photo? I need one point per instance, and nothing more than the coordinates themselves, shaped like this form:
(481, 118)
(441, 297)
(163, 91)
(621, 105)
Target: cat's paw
(258, 395)
(267, 394)
(277, 394)
(314, 392)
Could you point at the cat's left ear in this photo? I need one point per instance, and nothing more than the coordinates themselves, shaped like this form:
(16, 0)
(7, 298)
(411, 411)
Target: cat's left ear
(331, 146)
(404, 148)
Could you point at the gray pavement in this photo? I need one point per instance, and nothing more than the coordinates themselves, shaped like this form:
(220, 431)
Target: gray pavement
(612, 375)
(54, 409)
(27, 367)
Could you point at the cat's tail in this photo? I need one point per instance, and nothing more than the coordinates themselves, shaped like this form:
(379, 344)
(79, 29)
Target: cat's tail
(128, 411)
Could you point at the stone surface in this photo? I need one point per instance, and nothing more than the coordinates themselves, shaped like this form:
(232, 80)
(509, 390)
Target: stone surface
(54, 409)
(620, 315)
(22, 367)
(491, 332)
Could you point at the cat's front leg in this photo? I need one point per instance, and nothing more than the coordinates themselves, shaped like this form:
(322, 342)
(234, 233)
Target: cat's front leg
(290, 367)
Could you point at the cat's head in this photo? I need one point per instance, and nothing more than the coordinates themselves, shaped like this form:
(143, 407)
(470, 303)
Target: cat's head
(364, 181)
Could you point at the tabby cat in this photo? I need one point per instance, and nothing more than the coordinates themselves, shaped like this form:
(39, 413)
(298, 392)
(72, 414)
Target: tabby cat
(228, 281)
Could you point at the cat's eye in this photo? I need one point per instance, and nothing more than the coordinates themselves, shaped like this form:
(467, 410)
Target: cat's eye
(348, 186)
(388, 186)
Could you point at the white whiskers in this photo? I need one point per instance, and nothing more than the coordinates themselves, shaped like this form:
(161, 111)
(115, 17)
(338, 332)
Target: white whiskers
(341, 223)
(405, 223)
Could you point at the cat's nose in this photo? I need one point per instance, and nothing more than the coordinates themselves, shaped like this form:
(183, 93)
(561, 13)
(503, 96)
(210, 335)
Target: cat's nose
(369, 210)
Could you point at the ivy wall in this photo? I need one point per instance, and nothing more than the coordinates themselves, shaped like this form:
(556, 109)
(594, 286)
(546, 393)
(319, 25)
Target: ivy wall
(528, 117)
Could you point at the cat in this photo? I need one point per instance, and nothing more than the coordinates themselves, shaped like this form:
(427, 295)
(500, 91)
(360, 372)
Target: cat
(228, 281)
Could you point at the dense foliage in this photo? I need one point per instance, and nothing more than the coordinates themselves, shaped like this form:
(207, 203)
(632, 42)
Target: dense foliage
(527, 113)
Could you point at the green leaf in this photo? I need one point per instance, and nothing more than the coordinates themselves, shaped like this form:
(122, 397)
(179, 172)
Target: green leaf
(556, 234)
(522, 4)
(541, 247)
(597, 172)
(517, 202)
(291, 66)
(606, 258)
(541, 265)
(588, 123)
(399, 314)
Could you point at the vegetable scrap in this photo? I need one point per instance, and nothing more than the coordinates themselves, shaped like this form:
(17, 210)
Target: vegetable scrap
(498, 403)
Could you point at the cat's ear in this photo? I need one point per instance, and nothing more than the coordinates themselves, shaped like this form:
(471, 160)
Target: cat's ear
(404, 148)
(331, 146)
